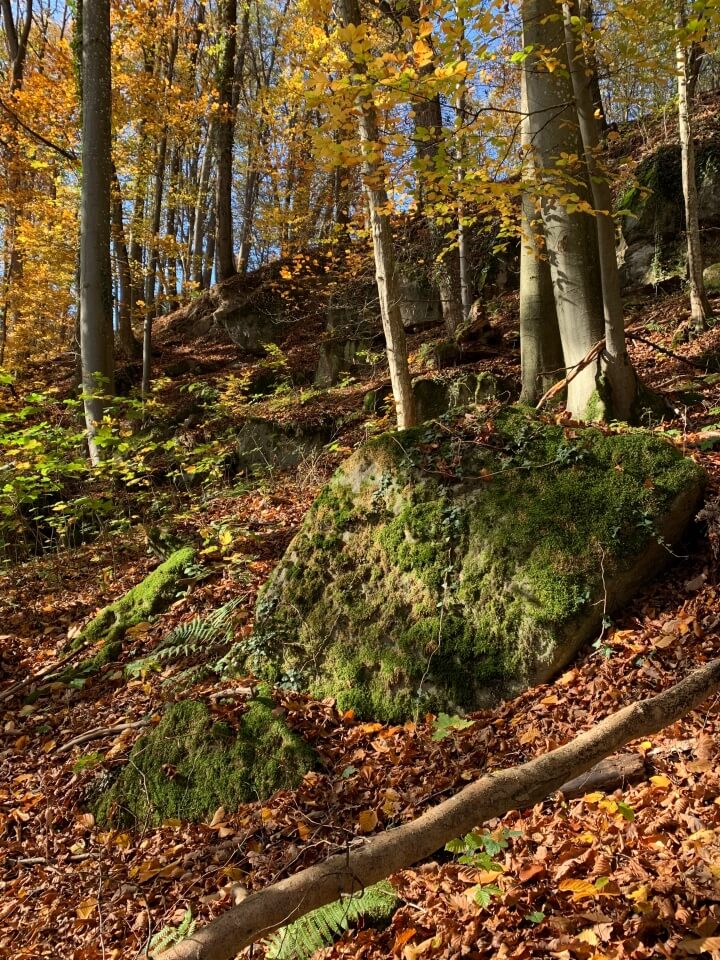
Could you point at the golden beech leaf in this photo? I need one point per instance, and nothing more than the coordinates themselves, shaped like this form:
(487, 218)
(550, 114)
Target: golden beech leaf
(580, 889)
(86, 909)
(367, 821)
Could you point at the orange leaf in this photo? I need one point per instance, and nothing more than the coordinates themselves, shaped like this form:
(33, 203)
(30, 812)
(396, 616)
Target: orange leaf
(402, 938)
(367, 821)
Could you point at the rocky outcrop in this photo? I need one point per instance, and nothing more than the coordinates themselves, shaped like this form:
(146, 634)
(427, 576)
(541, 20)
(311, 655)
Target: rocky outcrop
(652, 248)
(446, 567)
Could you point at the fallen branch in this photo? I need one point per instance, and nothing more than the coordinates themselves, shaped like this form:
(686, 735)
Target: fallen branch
(98, 732)
(369, 861)
(697, 364)
(607, 776)
(49, 673)
(589, 358)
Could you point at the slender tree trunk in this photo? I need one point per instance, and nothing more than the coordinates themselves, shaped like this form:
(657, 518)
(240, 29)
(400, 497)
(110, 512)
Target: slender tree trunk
(96, 334)
(620, 374)
(586, 11)
(252, 186)
(150, 294)
(126, 338)
(570, 234)
(209, 260)
(203, 198)
(541, 357)
(171, 228)
(17, 35)
(700, 309)
(225, 139)
(385, 271)
(428, 132)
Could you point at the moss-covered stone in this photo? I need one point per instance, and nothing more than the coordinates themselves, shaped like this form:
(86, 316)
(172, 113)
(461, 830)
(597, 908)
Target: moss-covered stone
(193, 763)
(711, 276)
(149, 597)
(448, 567)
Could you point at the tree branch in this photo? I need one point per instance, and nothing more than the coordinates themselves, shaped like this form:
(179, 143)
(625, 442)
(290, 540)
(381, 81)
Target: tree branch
(495, 794)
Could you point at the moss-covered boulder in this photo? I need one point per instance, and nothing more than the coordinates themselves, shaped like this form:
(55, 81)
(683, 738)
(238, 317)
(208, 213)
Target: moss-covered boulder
(193, 762)
(149, 597)
(449, 567)
(711, 276)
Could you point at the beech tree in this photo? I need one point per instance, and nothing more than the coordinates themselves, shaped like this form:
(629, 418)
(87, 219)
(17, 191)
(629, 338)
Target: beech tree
(576, 216)
(700, 309)
(224, 141)
(388, 285)
(96, 332)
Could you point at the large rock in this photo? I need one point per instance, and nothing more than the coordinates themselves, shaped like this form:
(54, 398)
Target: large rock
(195, 761)
(446, 567)
(652, 249)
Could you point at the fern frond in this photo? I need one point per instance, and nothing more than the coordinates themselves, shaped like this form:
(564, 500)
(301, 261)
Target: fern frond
(322, 927)
(200, 635)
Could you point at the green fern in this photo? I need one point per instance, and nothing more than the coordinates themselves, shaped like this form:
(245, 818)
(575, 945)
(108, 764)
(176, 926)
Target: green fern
(169, 936)
(200, 635)
(322, 927)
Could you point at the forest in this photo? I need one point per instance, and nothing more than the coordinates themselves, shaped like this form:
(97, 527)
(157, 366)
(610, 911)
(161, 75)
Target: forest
(359, 479)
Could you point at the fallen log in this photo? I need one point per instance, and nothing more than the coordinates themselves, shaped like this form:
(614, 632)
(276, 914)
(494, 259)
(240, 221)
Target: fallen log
(607, 776)
(368, 861)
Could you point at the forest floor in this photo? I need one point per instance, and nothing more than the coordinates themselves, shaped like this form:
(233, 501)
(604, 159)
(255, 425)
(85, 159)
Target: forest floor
(632, 875)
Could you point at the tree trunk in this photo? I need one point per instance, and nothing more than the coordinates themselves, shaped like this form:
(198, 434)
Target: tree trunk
(203, 197)
(446, 269)
(570, 234)
(587, 13)
(225, 139)
(150, 295)
(96, 334)
(388, 285)
(700, 309)
(375, 858)
(622, 381)
(126, 338)
(171, 228)
(541, 358)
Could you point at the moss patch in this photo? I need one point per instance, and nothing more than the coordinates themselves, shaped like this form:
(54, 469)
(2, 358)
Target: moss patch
(192, 763)
(445, 567)
(150, 596)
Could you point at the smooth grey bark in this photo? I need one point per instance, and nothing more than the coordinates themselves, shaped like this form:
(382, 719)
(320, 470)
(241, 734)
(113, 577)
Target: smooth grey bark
(621, 378)
(224, 142)
(171, 265)
(96, 333)
(388, 285)
(570, 234)
(203, 197)
(700, 309)
(150, 297)
(541, 357)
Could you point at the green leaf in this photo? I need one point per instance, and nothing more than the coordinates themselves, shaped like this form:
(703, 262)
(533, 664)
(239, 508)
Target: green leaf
(445, 725)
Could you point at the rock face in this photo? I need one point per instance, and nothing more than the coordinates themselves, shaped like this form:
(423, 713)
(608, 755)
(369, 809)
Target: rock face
(449, 567)
(653, 250)
(192, 763)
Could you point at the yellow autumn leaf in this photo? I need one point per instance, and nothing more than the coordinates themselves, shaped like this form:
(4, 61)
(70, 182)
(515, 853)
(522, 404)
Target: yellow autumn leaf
(660, 781)
(580, 889)
(86, 909)
(367, 821)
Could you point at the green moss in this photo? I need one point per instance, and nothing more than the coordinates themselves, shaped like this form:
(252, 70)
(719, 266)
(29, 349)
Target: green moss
(463, 558)
(191, 764)
(149, 597)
